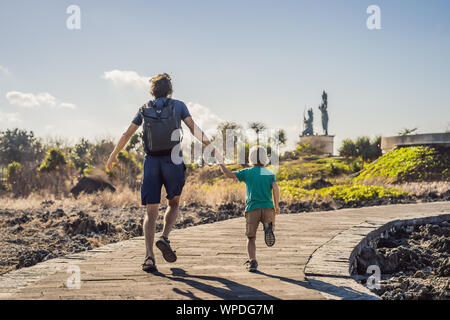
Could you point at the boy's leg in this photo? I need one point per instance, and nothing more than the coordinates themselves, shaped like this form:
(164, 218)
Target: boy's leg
(251, 248)
(268, 220)
(252, 219)
(150, 229)
(268, 216)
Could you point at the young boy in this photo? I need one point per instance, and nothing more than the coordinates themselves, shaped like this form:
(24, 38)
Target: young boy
(260, 184)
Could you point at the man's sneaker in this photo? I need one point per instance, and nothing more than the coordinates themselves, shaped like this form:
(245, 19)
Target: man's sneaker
(252, 266)
(269, 237)
(163, 244)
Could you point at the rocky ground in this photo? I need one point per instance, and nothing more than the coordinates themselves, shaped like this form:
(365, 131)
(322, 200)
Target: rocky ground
(52, 230)
(414, 263)
(31, 236)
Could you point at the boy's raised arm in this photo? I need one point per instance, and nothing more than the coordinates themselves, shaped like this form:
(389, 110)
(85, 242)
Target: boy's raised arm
(224, 169)
(227, 172)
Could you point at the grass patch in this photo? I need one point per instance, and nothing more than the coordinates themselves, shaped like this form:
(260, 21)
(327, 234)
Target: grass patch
(294, 191)
(410, 164)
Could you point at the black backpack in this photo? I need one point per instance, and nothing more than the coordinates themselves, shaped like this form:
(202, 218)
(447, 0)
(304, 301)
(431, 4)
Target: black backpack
(161, 129)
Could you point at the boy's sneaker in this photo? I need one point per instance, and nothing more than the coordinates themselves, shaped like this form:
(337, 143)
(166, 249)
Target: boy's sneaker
(252, 266)
(269, 237)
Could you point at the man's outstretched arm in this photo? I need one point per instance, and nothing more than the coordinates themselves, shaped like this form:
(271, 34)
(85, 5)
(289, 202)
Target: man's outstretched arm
(196, 131)
(122, 143)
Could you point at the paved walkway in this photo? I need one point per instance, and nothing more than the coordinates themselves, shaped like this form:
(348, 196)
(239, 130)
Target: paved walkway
(210, 262)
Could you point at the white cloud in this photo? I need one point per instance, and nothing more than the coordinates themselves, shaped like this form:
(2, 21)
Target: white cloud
(4, 70)
(127, 78)
(9, 117)
(30, 100)
(204, 118)
(67, 105)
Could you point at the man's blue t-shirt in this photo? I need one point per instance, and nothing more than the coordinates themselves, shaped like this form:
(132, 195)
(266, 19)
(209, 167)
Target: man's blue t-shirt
(258, 182)
(181, 113)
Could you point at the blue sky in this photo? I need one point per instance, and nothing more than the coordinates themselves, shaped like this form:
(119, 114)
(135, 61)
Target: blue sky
(230, 60)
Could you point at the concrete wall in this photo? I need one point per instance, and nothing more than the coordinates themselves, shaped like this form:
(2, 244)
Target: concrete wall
(324, 143)
(390, 143)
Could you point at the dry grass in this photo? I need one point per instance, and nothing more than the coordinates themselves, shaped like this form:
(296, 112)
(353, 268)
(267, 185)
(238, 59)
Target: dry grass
(205, 194)
(417, 188)
(214, 195)
(123, 197)
(420, 188)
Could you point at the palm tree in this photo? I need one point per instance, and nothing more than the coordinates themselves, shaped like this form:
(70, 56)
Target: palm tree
(257, 127)
(222, 128)
(407, 131)
(280, 137)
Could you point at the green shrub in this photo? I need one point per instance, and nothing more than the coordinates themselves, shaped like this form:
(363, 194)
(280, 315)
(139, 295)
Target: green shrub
(81, 156)
(128, 169)
(306, 149)
(54, 171)
(20, 146)
(334, 169)
(348, 149)
(100, 152)
(356, 192)
(355, 166)
(410, 164)
(20, 179)
(362, 147)
(294, 190)
(54, 160)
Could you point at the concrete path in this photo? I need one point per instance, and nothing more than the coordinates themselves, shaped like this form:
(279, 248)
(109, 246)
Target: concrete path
(210, 262)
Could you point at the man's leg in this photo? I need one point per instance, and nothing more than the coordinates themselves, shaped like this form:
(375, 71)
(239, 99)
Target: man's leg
(170, 218)
(150, 229)
(171, 215)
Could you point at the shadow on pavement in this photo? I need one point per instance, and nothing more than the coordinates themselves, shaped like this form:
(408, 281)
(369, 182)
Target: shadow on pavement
(304, 284)
(233, 290)
(340, 292)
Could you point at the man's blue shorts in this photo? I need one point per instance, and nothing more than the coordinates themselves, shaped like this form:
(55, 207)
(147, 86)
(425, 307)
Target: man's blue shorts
(159, 171)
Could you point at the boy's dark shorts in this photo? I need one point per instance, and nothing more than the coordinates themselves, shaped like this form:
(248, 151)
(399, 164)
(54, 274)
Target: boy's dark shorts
(253, 218)
(161, 171)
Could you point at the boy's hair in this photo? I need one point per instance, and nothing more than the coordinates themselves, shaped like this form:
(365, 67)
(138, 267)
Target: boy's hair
(161, 85)
(258, 156)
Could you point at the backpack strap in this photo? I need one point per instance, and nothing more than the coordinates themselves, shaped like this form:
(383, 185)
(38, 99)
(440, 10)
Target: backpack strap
(141, 109)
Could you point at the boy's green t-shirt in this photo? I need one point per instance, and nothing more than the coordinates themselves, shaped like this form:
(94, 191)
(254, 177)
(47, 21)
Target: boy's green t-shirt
(258, 182)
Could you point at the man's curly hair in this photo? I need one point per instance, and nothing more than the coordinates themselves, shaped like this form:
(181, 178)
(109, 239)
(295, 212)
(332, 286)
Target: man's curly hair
(161, 85)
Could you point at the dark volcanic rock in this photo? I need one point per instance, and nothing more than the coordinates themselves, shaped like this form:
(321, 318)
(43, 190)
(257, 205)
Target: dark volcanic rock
(87, 225)
(414, 262)
(319, 184)
(91, 185)
(31, 257)
(24, 218)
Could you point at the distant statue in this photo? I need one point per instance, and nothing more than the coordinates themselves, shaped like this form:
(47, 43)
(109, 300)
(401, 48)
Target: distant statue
(308, 124)
(325, 97)
(323, 108)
